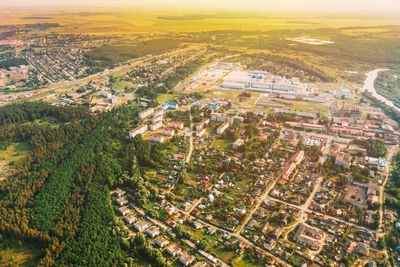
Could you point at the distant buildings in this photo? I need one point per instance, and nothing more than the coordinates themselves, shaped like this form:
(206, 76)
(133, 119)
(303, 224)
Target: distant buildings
(168, 106)
(138, 130)
(186, 259)
(238, 143)
(288, 170)
(343, 160)
(380, 163)
(308, 236)
(306, 126)
(223, 127)
(200, 133)
(298, 157)
(156, 126)
(146, 113)
(167, 131)
(202, 124)
(176, 124)
(360, 129)
(156, 138)
(260, 81)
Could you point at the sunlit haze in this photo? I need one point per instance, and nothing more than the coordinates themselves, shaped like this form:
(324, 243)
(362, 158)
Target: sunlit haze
(327, 6)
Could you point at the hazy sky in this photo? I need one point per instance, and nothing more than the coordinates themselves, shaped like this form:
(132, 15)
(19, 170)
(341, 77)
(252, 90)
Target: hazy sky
(391, 7)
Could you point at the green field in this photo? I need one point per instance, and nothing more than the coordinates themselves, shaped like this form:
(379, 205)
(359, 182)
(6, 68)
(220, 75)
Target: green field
(17, 253)
(222, 145)
(14, 152)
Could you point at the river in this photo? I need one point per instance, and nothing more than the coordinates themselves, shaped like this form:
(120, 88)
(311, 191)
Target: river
(369, 87)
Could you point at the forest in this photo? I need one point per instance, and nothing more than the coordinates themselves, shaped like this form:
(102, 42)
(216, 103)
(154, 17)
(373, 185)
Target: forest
(388, 84)
(106, 56)
(12, 62)
(59, 198)
(375, 148)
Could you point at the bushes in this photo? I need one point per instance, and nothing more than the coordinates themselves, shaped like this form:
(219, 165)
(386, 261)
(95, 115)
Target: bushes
(30, 111)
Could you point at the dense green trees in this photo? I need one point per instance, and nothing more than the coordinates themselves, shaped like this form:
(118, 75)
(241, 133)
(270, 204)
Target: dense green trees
(388, 84)
(12, 62)
(60, 196)
(30, 111)
(389, 111)
(106, 56)
(53, 196)
(95, 245)
(375, 148)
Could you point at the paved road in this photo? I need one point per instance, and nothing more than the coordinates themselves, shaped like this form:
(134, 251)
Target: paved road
(392, 151)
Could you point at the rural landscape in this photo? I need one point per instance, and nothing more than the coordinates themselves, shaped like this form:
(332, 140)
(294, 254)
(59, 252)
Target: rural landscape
(155, 136)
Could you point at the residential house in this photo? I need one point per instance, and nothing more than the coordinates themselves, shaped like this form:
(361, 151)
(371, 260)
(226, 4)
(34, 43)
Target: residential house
(186, 259)
(124, 210)
(153, 231)
(173, 250)
(160, 242)
(129, 219)
(141, 225)
(238, 143)
(121, 201)
(362, 248)
(118, 192)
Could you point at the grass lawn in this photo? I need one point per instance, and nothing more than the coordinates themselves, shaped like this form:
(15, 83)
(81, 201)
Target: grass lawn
(20, 253)
(224, 254)
(221, 145)
(164, 98)
(120, 85)
(300, 105)
(241, 262)
(14, 152)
